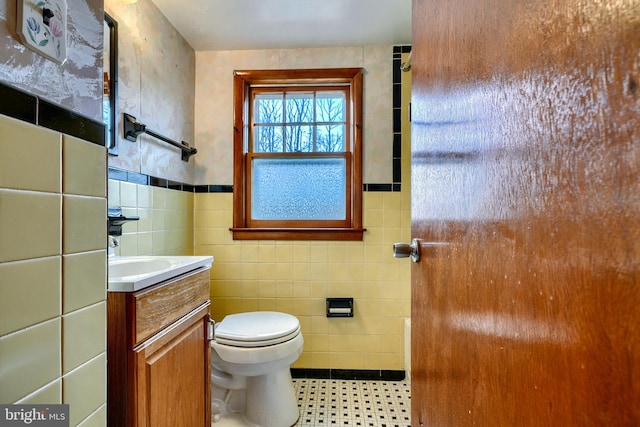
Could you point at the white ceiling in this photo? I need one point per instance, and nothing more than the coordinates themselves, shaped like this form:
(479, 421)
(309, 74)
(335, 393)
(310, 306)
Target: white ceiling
(282, 24)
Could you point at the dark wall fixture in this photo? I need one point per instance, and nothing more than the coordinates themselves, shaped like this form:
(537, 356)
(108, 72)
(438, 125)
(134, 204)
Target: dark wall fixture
(339, 307)
(116, 220)
(133, 128)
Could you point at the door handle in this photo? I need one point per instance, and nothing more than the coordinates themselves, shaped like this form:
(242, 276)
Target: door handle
(405, 250)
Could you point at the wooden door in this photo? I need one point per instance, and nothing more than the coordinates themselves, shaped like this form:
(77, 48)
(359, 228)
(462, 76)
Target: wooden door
(526, 164)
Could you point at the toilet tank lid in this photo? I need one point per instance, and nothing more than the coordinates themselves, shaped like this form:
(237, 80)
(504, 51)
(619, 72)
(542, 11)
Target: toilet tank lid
(256, 326)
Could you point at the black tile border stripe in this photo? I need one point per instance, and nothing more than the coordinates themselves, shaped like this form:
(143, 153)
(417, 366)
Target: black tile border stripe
(29, 108)
(348, 374)
(378, 187)
(142, 179)
(213, 188)
(18, 104)
(62, 120)
(397, 117)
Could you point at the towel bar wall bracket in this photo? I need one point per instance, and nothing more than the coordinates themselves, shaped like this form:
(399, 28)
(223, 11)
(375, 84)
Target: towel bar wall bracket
(133, 128)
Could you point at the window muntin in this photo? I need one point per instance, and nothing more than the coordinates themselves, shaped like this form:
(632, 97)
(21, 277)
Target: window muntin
(298, 154)
(299, 120)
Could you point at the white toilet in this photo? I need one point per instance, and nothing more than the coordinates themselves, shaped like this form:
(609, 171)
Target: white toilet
(254, 351)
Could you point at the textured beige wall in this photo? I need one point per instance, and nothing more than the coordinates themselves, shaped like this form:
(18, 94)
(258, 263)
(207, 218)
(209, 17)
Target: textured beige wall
(52, 271)
(76, 84)
(214, 103)
(157, 86)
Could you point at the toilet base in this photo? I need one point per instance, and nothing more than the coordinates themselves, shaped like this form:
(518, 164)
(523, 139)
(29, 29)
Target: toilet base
(268, 401)
(231, 420)
(224, 401)
(271, 400)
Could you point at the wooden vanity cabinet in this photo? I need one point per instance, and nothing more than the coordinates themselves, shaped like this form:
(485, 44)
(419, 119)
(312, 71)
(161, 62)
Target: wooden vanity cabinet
(158, 362)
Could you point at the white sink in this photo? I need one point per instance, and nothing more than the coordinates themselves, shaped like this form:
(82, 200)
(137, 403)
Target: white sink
(132, 273)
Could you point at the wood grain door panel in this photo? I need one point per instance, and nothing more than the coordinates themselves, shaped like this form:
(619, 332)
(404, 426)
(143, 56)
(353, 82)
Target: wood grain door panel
(525, 161)
(173, 375)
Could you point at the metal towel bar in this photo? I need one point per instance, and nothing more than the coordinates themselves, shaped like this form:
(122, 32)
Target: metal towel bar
(133, 128)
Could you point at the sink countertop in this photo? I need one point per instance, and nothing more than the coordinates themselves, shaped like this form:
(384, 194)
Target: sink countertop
(133, 273)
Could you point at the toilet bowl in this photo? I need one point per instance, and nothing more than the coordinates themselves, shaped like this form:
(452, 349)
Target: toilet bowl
(254, 351)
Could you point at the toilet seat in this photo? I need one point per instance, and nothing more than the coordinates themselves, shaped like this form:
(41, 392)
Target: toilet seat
(256, 329)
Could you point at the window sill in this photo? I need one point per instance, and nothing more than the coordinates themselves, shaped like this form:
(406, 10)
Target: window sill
(347, 234)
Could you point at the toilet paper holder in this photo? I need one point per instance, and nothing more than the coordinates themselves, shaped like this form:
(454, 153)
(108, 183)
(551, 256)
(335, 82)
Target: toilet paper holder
(339, 307)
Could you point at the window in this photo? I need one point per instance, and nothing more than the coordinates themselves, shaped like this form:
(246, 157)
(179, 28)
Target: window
(298, 154)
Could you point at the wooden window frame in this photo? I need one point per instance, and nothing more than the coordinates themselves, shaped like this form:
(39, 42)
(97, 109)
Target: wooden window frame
(246, 229)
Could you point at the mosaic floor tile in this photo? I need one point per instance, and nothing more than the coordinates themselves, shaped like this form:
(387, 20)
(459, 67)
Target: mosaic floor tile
(353, 403)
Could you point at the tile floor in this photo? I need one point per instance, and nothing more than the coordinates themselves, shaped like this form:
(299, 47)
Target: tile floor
(353, 403)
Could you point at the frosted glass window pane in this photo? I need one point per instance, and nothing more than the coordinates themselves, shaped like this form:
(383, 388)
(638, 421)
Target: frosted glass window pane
(298, 189)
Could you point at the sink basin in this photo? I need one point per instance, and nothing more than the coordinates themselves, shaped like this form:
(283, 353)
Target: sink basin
(132, 273)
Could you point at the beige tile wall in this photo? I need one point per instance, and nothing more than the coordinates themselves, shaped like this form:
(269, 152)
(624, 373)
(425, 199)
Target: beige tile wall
(296, 277)
(166, 219)
(52, 271)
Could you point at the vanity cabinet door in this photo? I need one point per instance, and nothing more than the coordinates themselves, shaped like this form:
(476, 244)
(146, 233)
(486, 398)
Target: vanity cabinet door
(172, 374)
